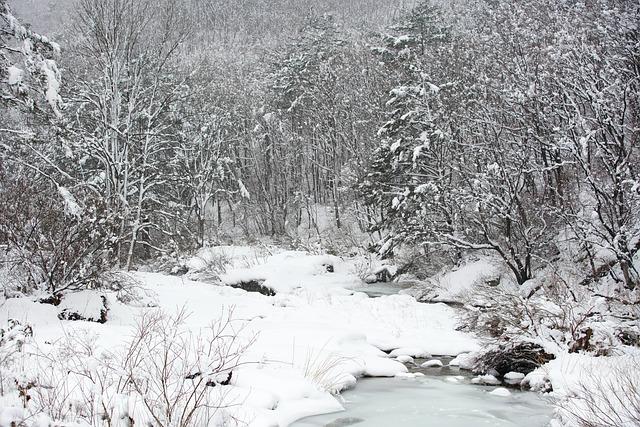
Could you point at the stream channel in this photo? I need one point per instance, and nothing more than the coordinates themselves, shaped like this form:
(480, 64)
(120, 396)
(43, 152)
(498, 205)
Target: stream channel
(443, 397)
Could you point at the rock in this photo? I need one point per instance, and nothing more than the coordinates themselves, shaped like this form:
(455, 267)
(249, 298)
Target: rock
(385, 273)
(629, 337)
(51, 299)
(493, 282)
(404, 359)
(254, 286)
(434, 363)
(537, 381)
(493, 372)
(410, 351)
(464, 361)
(500, 391)
(370, 278)
(513, 378)
(486, 380)
(328, 267)
(84, 305)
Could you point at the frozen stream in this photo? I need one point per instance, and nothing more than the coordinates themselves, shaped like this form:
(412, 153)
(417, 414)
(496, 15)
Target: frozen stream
(444, 397)
(432, 401)
(375, 290)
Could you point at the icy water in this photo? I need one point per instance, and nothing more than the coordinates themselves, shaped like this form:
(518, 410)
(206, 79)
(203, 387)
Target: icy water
(379, 289)
(444, 397)
(432, 401)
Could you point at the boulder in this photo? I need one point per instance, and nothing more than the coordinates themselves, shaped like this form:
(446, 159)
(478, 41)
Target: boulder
(89, 306)
(434, 363)
(485, 380)
(513, 378)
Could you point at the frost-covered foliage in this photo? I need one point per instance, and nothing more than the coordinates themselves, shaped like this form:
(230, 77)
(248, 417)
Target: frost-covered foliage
(53, 245)
(52, 239)
(511, 124)
(29, 75)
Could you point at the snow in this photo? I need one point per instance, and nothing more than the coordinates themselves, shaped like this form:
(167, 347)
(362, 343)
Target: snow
(513, 378)
(410, 351)
(243, 190)
(49, 68)
(501, 392)
(464, 361)
(313, 339)
(486, 380)
(456, 284)
(463, 279)
(88, 304)
(220, 257)
(296, 272)
(15, 75)
(71, 207)
(435, 363)
(591, 387)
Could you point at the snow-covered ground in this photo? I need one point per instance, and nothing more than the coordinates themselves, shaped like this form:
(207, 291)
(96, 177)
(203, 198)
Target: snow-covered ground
(289, 354)
(315, 337)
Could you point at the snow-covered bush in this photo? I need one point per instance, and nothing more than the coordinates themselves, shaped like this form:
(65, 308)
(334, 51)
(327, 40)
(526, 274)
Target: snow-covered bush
(12, 339)
(165, 375)
(558, 313)
(56, 244)
(605, 398)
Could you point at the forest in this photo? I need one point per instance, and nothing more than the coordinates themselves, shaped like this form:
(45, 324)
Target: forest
(476, 159)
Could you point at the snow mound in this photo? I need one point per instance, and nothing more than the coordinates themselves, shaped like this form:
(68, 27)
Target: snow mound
(501, 392)
(84, 305)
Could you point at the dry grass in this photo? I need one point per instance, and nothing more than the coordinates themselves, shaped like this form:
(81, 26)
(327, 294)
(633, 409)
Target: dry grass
(323, 369)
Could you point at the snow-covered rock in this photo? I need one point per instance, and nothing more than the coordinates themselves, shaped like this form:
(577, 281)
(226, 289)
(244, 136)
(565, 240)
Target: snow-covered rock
(485, 380)
(404, 358)
(434, 363)
(410, 351)
(513, 378)
(537, 380)
(84, 305)
(464, 361)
